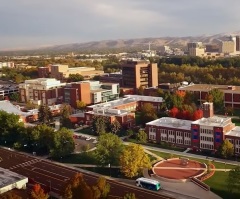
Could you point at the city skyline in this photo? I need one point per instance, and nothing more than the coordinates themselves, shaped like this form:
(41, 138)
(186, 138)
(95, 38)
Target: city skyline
(30, 24)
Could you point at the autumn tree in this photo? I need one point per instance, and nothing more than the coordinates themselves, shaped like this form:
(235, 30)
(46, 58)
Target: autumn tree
(9, 195)
(115, 127)
(101, 189)
(197, 114)
(108, 149)
(78, 188)
(147, 113)
(38, 193)
(133, 159)
(81, 105)
(226, 149)
(75, 78)
(66, 111)
(44, 114)
(100, 124)
(141, 136)
(140, 90)
(130, 196)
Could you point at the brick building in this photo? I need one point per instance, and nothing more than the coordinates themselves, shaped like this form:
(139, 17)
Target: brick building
(44, 72)
(139, 73)
(61, 72)
(45, 91)
(206, 133)
(49, 91)
(231, 93)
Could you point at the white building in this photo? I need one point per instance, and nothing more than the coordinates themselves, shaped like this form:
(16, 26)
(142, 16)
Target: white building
(10, 180)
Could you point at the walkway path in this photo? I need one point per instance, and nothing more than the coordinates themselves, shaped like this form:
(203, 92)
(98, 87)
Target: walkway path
(153, 154)
(188, 154)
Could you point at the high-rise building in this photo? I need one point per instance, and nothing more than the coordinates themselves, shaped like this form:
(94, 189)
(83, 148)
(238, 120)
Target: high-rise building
(195, 49)
(139, 73)
(237, 43)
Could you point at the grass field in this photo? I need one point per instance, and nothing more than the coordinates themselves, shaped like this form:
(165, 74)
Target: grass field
(218, 182)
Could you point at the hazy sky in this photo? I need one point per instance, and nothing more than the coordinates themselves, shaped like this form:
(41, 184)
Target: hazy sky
(34, 23)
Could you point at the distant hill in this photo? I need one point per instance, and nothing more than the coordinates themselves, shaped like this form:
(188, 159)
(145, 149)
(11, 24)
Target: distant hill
(123, 44)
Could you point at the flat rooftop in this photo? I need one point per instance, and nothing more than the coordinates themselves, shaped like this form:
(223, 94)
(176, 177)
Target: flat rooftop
(8, 177)
(171, 123)
(209, 87)
(145, 98)
(108, 112)
(213, 121)
(234, 132)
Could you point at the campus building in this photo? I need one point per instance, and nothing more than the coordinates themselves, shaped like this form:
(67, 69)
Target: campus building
(206, 133)
(45, 91)
(139, 73)
(49, 91)
(62, 72)
(10, 180)
(90, 92)
(231, 93)
(121, 109)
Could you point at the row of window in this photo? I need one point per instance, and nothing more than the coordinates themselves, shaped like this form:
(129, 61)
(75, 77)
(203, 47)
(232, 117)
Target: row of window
(170, 139)
(206, 146)
(206, 131)
(204, 138)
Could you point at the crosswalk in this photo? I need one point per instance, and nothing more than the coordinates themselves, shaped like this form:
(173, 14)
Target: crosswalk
(28, 163)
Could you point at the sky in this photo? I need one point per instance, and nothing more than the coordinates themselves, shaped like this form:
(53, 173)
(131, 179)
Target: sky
(28, 24)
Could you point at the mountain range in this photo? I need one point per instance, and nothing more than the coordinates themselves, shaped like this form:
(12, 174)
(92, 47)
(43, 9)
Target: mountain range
(125, 44)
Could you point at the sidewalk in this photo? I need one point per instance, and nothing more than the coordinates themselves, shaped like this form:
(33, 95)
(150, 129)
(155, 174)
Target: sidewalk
(153, 154)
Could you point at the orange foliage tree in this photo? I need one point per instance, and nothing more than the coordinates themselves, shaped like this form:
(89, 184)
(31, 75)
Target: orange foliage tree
(38, 193)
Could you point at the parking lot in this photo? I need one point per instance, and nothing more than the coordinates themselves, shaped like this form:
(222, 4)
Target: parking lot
(83, 142)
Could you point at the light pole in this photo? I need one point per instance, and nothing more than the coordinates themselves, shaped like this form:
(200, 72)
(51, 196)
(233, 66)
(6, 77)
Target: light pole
(109, 165)
(50, 187)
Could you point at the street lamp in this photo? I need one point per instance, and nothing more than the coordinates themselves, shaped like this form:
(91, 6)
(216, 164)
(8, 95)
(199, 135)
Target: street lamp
(109, 165)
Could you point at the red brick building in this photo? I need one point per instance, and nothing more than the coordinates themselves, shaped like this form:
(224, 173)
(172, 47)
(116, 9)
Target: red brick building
(206, 133)
(231, 93)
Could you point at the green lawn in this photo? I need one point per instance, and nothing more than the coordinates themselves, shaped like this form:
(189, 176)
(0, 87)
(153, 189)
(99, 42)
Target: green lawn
(236, 121)
(87, 131)
(218, 182)
(81, 158)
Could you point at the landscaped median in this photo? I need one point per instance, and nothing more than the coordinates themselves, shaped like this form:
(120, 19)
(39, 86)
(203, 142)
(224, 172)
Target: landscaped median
(218, 181)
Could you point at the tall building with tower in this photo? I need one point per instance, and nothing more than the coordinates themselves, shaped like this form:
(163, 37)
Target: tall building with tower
(195, 49)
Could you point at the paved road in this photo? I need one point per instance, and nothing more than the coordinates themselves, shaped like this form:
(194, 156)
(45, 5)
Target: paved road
(55, 176)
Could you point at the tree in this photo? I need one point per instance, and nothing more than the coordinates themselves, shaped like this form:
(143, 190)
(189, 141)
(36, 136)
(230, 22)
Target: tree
(234, 179)
(14, 97)
(44, 114)
(99, 124)
(115, 127)
(63, 143)
(130, 196)
(226, 149)
(141, 136)
(75, 78)
(65, 114)
(10, 127)
(19, 78)
(108, 149)
(218, 98)
(9, 195)
(101, 189)
(38, 193)
(78, 188)
(147, 113)
(140, 90)
(133, 159)
(81, 105)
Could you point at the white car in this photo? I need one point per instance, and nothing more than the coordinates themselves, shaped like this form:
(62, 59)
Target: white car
(89, 138)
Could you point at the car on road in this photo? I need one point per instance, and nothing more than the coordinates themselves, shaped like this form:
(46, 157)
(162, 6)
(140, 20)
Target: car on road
(88, 138)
